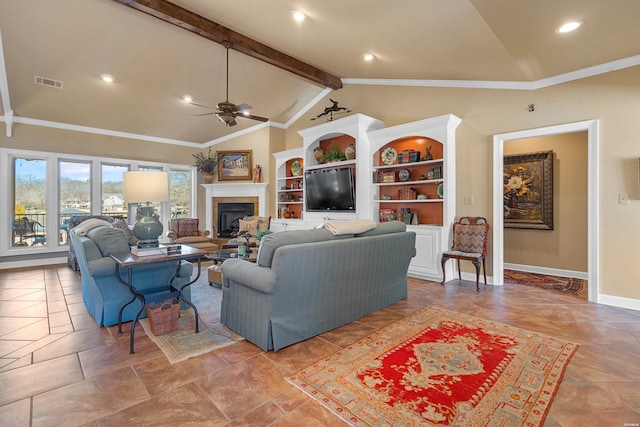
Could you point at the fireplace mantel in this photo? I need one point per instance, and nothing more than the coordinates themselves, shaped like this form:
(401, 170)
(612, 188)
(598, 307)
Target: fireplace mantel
(258, 190)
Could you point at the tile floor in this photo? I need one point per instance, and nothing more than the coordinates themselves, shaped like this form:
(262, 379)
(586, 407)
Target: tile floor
(57, 368)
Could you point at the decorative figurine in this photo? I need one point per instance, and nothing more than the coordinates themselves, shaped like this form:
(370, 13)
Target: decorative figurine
(257, 170)
(428, 155)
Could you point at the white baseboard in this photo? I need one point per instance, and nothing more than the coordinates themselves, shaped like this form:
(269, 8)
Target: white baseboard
(620, 302)
(34, 262)
(548, 271)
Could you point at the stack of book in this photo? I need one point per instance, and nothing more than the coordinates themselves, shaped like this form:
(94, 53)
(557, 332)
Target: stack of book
(142, 252)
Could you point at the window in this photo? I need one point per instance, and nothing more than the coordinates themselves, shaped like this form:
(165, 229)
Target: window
(75, 194)
(113, 203)
(180, 193)
(29, 202)
(41, 191)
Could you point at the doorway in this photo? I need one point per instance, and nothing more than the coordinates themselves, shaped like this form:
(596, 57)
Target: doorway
(591, 127)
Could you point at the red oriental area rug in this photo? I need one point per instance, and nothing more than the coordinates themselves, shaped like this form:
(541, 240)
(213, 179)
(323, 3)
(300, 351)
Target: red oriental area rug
(437, 367)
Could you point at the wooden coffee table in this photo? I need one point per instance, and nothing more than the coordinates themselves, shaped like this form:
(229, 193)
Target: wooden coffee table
(218, 257)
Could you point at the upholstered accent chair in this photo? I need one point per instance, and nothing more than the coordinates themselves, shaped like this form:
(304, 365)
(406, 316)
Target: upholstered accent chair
(469, 244)
(186, 231)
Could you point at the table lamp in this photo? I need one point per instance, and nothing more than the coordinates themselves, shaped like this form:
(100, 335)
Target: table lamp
(141, 187)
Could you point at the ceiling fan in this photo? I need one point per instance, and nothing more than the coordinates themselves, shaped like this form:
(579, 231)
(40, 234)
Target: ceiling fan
(228, 111)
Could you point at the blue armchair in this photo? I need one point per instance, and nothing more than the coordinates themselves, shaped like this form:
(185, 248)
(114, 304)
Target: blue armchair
(102, 293)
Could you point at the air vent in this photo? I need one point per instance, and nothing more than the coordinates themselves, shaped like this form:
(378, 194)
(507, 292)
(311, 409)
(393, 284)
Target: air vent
(43, 81)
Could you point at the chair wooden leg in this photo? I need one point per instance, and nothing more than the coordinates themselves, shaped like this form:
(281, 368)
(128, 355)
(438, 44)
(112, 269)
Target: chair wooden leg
(476, 264)
(484, 270)
(459, 271)
(443, 261)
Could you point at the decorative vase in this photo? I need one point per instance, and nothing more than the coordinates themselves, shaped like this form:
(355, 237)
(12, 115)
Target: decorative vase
(207, 178)
(350, 152)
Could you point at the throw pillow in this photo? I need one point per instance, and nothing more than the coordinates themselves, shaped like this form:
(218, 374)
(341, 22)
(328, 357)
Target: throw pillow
(249, 226)
(469, 238)
(109, 240)
(263, 223)
(187, 227)
(122, 225)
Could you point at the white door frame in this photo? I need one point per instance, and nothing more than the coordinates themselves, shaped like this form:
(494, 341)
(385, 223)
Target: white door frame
(591, 126)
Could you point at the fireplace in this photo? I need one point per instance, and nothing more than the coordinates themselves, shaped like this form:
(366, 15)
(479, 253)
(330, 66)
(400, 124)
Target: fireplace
(255, 193)
(229, 216)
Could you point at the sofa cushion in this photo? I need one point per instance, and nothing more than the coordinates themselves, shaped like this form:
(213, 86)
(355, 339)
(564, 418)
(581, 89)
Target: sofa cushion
(109, 240)
(193, 239)
(273, 241)
(385, 228)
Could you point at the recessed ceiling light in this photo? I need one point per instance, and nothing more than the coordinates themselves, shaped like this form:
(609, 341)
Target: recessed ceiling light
(368, 56)
(187, 98)
(569, 26)
(298, 16)
(107, 78)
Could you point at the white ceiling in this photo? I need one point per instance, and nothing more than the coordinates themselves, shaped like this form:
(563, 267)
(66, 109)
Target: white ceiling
(416, 42)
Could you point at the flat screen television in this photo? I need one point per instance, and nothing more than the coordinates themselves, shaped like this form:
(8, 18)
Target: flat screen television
(330, 190)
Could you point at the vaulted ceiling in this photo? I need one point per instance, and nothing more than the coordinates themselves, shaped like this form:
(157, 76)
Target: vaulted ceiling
(481, 43)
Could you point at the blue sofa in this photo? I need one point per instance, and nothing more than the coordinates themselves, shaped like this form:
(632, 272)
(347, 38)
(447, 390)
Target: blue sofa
(307, 282)
(102, 293)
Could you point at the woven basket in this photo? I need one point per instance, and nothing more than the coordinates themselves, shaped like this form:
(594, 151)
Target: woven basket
(406, 193)
(163, 316)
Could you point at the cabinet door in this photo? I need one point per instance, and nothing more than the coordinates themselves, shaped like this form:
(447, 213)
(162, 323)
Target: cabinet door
(426, 263)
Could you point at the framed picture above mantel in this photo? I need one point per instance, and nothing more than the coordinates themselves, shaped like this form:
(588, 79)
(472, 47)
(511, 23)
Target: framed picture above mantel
(528, 191)
(235, 165)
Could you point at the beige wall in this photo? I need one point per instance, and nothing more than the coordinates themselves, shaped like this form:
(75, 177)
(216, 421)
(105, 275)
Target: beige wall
(613, 99)
(564, 247)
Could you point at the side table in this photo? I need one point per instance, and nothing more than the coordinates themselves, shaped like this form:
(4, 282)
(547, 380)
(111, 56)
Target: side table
(160, 293)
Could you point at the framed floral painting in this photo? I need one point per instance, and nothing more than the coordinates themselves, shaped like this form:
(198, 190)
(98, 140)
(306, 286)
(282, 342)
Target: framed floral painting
(528, 191)
(235, 166)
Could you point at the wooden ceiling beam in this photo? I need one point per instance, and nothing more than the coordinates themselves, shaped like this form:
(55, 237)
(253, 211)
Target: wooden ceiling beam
(183, 18)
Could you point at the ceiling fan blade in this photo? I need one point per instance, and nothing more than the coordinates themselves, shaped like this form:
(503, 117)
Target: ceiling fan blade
(252, 117)
(243, 107)
(200, 105)
(200, 115)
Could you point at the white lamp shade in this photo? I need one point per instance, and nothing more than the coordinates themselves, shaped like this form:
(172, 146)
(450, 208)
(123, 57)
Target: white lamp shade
(146, 186)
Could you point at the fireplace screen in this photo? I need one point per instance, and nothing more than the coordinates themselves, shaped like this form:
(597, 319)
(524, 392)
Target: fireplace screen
(229, 216)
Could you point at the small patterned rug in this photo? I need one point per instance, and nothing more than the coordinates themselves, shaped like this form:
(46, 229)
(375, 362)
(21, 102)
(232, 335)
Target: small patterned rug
(563, 284)
(437, 367)
(184, 343)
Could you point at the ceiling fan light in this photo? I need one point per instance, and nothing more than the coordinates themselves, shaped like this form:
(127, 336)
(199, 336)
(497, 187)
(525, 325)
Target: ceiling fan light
(107, 78)
(368, 56)
(187, 98)
(298, 16)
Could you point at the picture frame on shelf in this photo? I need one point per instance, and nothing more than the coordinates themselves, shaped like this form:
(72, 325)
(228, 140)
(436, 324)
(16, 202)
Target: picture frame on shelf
(235, 165)
(528, 191)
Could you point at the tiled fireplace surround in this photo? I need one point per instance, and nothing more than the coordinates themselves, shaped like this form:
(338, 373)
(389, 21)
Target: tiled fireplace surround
(233, 193)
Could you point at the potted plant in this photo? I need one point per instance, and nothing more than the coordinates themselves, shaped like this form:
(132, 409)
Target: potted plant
(334, 154)
(206, 165)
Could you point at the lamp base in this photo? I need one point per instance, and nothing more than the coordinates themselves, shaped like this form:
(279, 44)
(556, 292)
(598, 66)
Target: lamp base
(147, 228)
